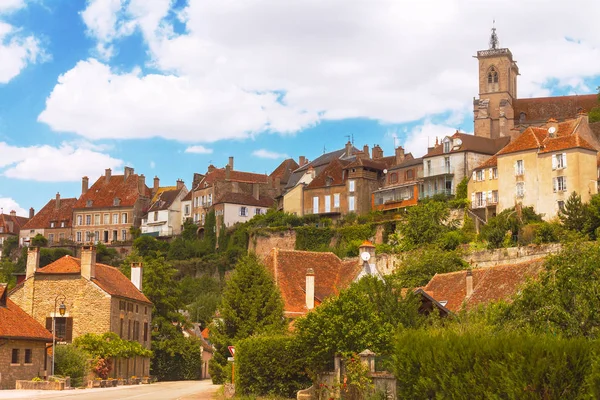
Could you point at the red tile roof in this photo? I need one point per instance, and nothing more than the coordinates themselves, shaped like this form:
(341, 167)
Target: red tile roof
(380, 164)
(17, 324)
(164, 198)
(103, 192)
(489, 284)
(246, 200)
(49, 213)
(12, 224)
(284, 170)
(110, 279)
(218, 174)
(471, 143)
(560, 107)
(331, 175)
(289, 271)
(489, 163)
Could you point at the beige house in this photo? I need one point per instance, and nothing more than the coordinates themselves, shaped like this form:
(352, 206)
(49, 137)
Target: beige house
(98, 299)
(232, 208)
(53, 221)
(483, 189)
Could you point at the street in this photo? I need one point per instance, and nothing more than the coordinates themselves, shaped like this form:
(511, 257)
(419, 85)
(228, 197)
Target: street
(183, 390)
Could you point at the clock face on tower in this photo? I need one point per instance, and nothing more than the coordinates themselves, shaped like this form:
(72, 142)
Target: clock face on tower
(365, 256)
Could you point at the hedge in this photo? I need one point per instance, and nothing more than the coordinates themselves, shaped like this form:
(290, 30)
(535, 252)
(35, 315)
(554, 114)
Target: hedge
(500, 366)
(311, 238)
(270, 365)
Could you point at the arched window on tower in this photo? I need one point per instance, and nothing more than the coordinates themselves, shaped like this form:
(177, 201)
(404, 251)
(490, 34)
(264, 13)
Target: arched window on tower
(492, 78)
(522, 118)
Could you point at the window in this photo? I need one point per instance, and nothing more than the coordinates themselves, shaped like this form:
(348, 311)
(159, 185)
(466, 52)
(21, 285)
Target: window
(351, 185)
(480, 199)
(560, 184)
(187, 209)
(243, 211)
(257, 211)
(115, 219)
(336, 200)
(145, 310)
(116, 201)
(351, 205)
(79, 220)
(493, 76)
(479, 175)
(428, 167)
(559, 161)
(105, 234)
(96, 219)
(61, 237)
(561, 205)
(447, 164)
(124, 218)
(315, 205)
(52, 224)
(520, 189)
(51, 238)
(145, 332)
(96, 236)
(410, 174)
(64, 328)
(106, 219)
(494, 196)
(28, 356)
(519, 168)
(62, 224)
(156, 215)
(122, 305)
(495, 173)
(137, 309)
(447, 146)
(327, 203)
(129, 330)
(121, 329)
(88, 219)
(78, 236)
(522, 117)
(89, 203)
(136, 330)
(115, 236)
(393, 178)
(14, 359)
(124, 234)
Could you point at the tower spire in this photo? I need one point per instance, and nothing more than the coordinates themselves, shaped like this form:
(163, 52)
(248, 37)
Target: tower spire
(494, 42)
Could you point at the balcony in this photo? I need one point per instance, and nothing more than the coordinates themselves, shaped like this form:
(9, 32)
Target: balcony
(430, 193)
(440, 171)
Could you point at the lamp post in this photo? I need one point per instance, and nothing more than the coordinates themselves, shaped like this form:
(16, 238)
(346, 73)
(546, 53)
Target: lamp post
(62, 309)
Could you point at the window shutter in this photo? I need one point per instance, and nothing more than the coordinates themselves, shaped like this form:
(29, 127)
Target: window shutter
(564, 155)
(489, 196)
(554, 184)
(474, 176)
(49, 323)
(69, 329)
(491, 173)
(472, 199)
(554, 162)
(515, 166)
(564, 183)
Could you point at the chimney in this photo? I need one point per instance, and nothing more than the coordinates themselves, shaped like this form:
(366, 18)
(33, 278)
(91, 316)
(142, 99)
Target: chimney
(301, 160)
(179, 184)
(13, 213)
(227, 171)
(156, 184)
(142, 184)
(84, 184)
(366, 151)
(399, 155)
(256, 190)
(31, 212)
(349, 149)
(210, 168)
(88, 262)
(469, 283)
(583, 116)
(310, 289)
(3, 294)
(230, 163)
(128, 172)
(33, 261)
(136, 275)
(107, 173)
(377, 152)
(57, 200)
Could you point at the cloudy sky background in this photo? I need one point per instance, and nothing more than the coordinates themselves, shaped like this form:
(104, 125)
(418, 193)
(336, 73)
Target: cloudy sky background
(168, 86)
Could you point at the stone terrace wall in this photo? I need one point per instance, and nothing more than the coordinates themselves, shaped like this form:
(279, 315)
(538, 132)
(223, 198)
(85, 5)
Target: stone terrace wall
(262, 245)
(512, 255)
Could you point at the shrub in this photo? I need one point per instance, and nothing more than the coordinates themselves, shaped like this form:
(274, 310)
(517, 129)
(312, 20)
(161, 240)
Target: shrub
(451, 240)
(445, 364)
(547, 232)
(313, 239)
(71, 361)
(270, 365)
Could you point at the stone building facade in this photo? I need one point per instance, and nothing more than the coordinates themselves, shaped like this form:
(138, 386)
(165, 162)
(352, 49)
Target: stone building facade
(98, 299)
(54, 221)
(11, 225)
(401, 185)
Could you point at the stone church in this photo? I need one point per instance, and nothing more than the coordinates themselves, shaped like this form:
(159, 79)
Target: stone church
(499, 112)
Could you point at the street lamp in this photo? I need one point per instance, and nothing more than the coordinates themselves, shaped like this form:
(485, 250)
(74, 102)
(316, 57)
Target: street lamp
(62, 309)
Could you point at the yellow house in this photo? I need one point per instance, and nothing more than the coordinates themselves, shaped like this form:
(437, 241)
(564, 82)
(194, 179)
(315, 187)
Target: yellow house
(540, 168)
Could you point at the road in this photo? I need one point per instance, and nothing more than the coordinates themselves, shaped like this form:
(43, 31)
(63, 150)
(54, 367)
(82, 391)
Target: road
(184, 390)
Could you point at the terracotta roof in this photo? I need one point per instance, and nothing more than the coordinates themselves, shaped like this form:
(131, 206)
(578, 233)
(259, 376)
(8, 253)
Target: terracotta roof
(289, 271)
(188, 197)
(246, 200)
(368, 163)
(408, 162)
(164, 198)
(331, 175)
(472, 143)
(319, 163)
(284, 170)
(540, 109)
(489, 284)
(12, 224)
(110, 279)
(218, 174)
(489, 163)
(49, 213)
(103, 192)
(17, 324)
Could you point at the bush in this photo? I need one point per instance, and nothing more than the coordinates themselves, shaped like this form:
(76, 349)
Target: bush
(177, 359)
(73, 362)
(311, 238)
(508, 365)
(451, 240)
(270, 365)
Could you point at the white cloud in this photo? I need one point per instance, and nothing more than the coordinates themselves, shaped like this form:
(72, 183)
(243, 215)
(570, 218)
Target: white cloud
(241, 68)
(7, 204)
(152, 164)
(423, 136)
(198, 150)
(53, 164)
(263, 153)
(7, 6)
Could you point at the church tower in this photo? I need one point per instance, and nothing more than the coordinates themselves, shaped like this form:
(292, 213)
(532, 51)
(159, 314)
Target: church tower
(493, 110)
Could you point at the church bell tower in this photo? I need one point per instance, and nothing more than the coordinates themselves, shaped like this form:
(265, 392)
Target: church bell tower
(493, 110)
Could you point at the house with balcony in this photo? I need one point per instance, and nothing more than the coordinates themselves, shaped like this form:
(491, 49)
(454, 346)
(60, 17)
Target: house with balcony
(401, 185)
(447, 163)
(54, 221)
(164, 215)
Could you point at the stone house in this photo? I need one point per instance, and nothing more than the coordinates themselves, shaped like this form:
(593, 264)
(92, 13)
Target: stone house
(447, 163)
(108, 210)
(54, 221)
(11, 225)
(23, 343)
(98, 299)
(164, 215)
(400, 186)
(232, 208)
(281, 176)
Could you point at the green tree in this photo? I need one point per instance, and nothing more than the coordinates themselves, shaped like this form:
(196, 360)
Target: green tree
(462, 189)
(73, 362)
(510, 220)
(210, 230)
(190, 230)
(39, 241)
(424, 223)
(251, 304)
(48, 256)
(594, 114)
(574, 216)
(419, 266)
(7, 268)
(149, 246)
(10, 247)
(107, 255)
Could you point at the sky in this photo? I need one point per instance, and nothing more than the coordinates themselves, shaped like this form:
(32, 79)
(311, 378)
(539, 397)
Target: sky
(171, 86)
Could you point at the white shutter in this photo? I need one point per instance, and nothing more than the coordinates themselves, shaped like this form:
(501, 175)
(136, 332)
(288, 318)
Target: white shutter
(489, 196)
(564, 155)
(564, 183)
(516, 171)
(474, 176)
(491, 174)
(554, 162)
(554, 184)
(472, 199)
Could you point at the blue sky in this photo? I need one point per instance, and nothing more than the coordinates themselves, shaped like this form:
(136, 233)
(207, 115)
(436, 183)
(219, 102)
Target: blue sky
(169, 86)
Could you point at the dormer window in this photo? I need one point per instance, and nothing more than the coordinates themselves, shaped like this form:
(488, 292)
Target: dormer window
(328, 181)
(89, 203)
(447, 146)
(116, 201)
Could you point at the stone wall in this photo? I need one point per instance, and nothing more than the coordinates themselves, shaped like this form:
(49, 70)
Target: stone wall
(512, 255)
(262, 245)
(30, 385)
(10, 373)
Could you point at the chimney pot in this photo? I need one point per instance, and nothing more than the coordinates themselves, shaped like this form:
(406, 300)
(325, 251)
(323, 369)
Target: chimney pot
(142, 185)
(227, 171)
(107, 174)
(310, 289)
(301, 161)
(136, 275)
(230, 163)
(84, 184)
(366, 151)
(180, 184)
(33, 261)
(57, 201)
(31, 212)
(13, 213)
(156, 184)
(88, 262)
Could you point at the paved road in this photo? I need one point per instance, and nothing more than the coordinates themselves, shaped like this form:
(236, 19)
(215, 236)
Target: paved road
(185, 390)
